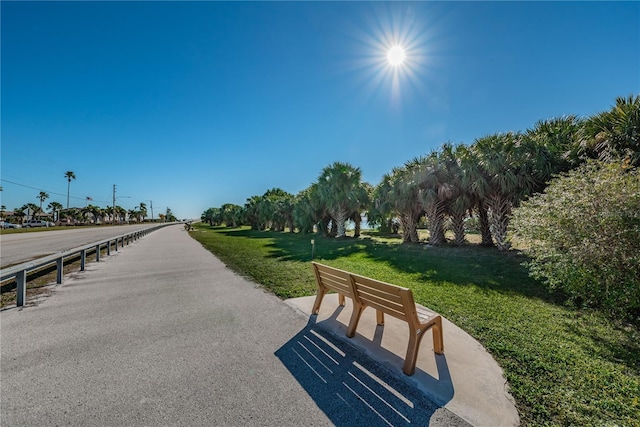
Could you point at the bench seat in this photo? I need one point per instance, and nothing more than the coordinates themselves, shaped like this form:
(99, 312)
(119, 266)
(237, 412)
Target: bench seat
(385, 298)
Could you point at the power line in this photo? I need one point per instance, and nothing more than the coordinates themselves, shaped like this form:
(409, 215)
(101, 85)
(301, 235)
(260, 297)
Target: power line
(33, 188)
(40, 189)
(106, 201)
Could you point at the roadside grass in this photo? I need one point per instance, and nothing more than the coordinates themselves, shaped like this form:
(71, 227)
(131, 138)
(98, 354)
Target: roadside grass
(564, 366)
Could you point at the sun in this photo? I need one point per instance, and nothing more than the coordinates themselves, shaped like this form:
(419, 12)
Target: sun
(396, 55)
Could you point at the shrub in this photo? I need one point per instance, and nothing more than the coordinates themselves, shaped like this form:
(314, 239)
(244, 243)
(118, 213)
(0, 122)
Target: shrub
(583, 237)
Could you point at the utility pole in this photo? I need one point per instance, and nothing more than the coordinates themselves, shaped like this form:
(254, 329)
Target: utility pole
(151, 201)
(113, 221)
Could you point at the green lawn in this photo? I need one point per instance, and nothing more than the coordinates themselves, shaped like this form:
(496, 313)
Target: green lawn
(564, 366)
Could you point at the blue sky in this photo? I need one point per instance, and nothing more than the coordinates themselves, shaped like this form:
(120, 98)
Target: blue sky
(192, 105)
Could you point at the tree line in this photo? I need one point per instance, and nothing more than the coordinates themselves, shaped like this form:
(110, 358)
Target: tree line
(446, 188)
(481, 185)
(90, 213)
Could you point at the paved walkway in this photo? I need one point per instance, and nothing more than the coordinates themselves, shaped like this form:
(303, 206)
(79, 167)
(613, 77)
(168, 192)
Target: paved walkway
(162, 334)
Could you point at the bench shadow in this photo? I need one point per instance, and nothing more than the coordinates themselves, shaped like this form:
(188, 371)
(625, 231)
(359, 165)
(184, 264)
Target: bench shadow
(351, 388)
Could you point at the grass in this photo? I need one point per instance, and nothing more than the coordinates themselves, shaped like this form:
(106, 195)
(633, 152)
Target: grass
(564, 366)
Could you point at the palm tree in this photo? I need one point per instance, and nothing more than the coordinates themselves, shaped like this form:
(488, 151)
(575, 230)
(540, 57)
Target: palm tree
(434, 191)
(308, 210)
(69, 175)
(252, 212)
(19, 212)
(119, 213)
(276, 209)
(364, 196)
(143, 210)
(93, 211)
(42, 197)
(31, 207)
(561, 139)
(110, 212)
(506, 171)
(340, 186)
(212, 216)
(474, 187)
(3, 209)
(133, 213)
(398, 195)
(55, 207)
(615, 134)
(170, 216)
(231, 214)
(458, 200)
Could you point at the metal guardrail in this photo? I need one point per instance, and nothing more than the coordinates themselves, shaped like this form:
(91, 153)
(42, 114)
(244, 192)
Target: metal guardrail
(20, 271)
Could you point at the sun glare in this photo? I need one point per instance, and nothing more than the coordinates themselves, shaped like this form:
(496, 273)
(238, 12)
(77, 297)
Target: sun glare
(396, 56)
(395, 51)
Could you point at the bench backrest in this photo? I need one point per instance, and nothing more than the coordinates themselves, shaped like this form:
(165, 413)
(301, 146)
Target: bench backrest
(393, 300)
(332, 278)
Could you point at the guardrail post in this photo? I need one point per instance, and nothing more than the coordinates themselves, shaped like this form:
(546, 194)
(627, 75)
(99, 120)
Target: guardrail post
(21, 281)
(108, 247)
(116, 242)
(98, 252)
(59, 267)
(83, 259)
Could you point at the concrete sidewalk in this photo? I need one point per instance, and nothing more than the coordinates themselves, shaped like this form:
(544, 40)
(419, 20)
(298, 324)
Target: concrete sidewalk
(465, 380)
(163, 334)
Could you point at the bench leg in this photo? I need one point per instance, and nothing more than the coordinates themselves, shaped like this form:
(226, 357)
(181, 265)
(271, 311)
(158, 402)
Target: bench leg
(379, 317)
(355, 318)
(341, 299)
(412, 351)
(415, 337)
(438, 342)
(318, 301)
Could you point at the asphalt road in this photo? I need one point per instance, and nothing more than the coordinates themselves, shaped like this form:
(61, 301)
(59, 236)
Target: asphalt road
(22, 247)
(161, 333)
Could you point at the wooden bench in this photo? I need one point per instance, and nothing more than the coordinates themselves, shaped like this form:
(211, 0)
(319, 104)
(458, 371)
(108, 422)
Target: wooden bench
(332, 279)
(385, 298)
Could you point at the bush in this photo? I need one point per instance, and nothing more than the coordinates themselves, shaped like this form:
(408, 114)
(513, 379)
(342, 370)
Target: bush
(583, 237)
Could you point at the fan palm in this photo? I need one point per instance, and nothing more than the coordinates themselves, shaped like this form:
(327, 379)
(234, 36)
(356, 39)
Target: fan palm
(340, 188)
(252, 212)
(560, 137)
(500, 177)
(435, 191)
(42, 197)
(399, 194)
(55, 207)
(458, 200)
(212, 216)
(231, 214)
(615, 134)
(143, 210)
(309, 210)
